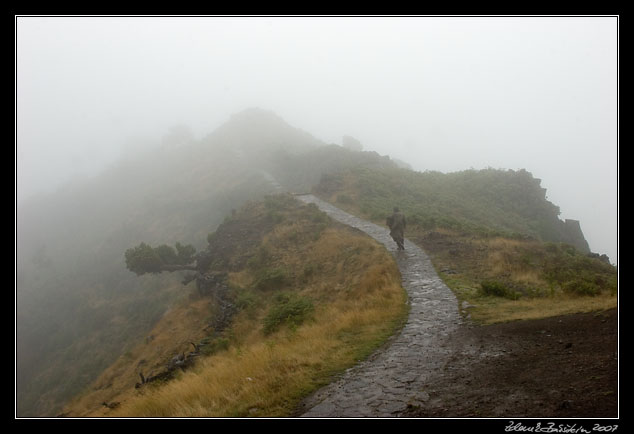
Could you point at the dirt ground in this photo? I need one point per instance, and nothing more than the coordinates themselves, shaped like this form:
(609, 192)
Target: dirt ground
(560, 367)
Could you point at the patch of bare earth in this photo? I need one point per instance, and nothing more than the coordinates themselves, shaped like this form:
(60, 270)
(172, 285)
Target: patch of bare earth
(559, 367)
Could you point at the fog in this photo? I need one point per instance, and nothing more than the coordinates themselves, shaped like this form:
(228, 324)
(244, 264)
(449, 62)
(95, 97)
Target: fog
(441, 93)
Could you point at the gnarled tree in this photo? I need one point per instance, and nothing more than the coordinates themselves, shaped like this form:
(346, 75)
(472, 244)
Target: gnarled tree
(147, 259)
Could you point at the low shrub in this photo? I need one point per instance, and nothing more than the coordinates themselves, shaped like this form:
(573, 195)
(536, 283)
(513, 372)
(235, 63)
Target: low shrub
(212, 347)
(581, 287)
(497, 289)
(290, 309)
(270, 279)
(245, 299)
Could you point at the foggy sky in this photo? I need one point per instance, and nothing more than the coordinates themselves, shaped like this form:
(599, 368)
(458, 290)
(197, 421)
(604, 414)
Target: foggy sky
(442, 93)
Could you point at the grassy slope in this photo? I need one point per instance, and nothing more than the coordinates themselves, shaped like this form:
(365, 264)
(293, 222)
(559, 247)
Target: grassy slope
(77, 307)
(484, 227)
(269, 361)
(80, 309)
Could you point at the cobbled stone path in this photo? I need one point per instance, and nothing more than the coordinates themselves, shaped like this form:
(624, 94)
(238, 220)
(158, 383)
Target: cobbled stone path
(395, 376)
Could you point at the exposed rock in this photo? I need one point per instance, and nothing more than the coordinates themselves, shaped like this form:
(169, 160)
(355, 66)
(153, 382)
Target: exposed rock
(571, 234)
(110, 405)
(602, 257)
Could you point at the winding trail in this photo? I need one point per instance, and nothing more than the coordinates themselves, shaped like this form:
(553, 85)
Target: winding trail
(394, 377)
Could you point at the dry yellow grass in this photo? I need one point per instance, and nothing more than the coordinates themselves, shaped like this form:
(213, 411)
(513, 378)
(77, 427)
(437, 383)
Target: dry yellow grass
(182, 324)
(517, 263)
(268, 377)
(358, 300)
(504, 257)
(491, 310)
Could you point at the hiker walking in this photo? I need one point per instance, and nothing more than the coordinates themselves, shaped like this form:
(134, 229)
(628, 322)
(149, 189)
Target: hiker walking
(396, 222)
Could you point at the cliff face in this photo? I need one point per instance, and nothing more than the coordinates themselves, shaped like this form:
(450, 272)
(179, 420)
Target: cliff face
(571, 234)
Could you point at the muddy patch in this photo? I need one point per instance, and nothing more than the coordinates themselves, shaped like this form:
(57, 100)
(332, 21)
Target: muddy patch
(559, 367)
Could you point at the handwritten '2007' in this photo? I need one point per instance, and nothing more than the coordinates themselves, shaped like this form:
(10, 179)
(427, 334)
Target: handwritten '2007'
(552, 428)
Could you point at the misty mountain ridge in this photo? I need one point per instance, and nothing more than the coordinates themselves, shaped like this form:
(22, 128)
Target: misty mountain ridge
(71, 279)
(78, 308)
(256, 129)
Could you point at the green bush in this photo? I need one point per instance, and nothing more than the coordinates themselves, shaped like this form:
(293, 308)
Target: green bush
(245, 299)
(577, 273)
(290, 309)
(497, 289)
(270, 279)
(581, 287)
(216, 345)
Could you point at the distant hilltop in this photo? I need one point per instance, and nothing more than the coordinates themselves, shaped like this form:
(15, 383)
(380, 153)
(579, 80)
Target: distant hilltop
(256, 129)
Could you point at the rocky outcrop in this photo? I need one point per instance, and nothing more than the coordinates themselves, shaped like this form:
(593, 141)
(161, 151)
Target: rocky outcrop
(571, 234)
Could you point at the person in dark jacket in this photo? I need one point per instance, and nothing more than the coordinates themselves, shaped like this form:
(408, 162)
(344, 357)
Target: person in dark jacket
(396, 222)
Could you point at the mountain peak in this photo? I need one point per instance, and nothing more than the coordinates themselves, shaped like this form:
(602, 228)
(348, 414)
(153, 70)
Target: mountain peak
(259, 129)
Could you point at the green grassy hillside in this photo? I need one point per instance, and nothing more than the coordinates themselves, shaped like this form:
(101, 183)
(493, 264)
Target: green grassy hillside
(492, 235)
(510, 203)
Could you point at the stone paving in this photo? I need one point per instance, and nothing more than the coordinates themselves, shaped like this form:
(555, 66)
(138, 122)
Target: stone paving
(395, 376)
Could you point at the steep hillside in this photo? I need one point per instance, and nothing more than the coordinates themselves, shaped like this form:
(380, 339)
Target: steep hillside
(77, 307)
(76, 304)
(283, 299)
